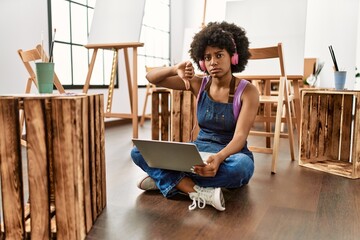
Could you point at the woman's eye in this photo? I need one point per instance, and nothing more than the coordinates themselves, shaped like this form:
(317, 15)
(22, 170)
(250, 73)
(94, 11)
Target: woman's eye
(207, 58)
(219, 55)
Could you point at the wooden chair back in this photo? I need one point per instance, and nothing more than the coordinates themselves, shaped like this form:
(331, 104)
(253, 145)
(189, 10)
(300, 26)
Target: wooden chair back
(31, 56)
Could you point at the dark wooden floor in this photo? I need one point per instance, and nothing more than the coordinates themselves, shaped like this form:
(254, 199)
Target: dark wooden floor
(294, 203)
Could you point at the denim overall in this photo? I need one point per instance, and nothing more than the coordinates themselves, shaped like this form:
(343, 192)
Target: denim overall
(217, 127)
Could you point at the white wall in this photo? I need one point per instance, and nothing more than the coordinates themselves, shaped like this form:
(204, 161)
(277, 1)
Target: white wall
(284, 23)
(333, 22)
(21, 24)
(357, 80)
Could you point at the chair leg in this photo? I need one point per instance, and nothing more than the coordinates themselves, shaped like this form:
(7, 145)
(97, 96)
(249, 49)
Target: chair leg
(277, 130)
(276, 142)
(290, 129)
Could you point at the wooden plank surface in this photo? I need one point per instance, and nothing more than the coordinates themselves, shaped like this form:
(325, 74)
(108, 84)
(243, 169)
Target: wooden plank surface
(92, 149)
(67, 117)
(186, 116)
(347, 108)
(329, 126)
(155, 110)
(176, 100)
(38, 133)
(356, 142)
(88, 143)
(336, 126)
(97, 153)
(100, 99)
(322, 131)
(314, 137)
(78, 145)
(304, 138)
(165, 115)
(11, 169)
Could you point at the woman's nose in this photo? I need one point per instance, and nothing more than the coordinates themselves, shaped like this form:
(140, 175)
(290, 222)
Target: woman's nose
(213, 61)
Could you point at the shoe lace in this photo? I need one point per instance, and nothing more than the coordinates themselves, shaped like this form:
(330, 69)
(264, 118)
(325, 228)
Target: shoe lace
(198, 201)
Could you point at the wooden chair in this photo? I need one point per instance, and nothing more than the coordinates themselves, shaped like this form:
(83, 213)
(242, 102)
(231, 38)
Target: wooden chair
(280, 101)
(29, 57)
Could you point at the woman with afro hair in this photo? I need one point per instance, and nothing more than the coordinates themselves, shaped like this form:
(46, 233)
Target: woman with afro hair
(226, 110)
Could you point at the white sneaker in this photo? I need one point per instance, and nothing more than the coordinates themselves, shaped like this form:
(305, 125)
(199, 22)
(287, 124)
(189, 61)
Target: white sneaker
(209, 195)
(147, 184)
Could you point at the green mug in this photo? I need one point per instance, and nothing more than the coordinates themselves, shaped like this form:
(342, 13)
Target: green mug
(45, 76)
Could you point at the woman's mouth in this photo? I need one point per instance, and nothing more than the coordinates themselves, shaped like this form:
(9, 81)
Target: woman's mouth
(215, 70)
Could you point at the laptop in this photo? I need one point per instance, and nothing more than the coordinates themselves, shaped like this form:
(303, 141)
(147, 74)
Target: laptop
(178, 156)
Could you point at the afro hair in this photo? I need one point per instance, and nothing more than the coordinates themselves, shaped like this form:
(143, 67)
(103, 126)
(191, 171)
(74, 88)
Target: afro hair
(222, 35)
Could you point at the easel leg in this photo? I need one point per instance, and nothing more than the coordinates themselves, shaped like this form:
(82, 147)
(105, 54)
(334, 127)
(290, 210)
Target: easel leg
(112, 81)
(135, 95)
(91, 67)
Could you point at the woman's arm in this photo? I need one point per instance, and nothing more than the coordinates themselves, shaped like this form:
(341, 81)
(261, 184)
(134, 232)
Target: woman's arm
(178, 77)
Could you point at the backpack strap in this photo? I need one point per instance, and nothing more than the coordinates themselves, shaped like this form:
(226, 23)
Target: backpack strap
(231, 90)
(237, 97)
(205, 80)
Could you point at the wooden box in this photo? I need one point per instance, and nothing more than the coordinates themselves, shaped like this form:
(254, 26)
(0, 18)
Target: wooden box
(330, 132)
(183, 116)
(65, 166)
(173, 116)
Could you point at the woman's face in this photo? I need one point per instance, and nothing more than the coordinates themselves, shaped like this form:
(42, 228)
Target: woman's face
(217, 61)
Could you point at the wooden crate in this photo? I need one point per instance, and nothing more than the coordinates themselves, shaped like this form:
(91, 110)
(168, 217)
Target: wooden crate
(330, 132)
(173, 115)
(66, 166)
(183, 116)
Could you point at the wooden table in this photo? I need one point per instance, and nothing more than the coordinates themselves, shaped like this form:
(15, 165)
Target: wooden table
(330, 131)
(66, 165)
(132, 84)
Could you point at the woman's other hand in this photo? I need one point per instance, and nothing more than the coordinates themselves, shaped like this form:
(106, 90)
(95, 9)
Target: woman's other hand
(210, 168)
